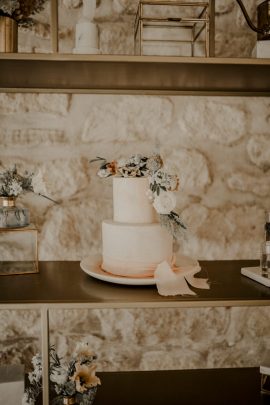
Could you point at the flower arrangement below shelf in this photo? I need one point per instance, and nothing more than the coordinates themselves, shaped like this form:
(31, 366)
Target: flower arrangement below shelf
(161, 185)
(74, 382)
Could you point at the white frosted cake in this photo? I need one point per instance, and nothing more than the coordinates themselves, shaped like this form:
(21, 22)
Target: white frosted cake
(134, 243)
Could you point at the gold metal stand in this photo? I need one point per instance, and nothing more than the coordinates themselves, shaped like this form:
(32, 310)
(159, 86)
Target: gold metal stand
(8, 35)
(174, 24)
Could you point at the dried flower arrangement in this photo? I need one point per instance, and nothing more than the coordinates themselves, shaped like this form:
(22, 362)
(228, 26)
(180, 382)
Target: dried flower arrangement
(75, 379)
(161, 185)
(21, 10)
(12, 184)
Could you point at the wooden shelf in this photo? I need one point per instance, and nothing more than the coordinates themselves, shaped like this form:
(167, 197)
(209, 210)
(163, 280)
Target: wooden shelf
(204, 386)
(66, 73)
(65, 284)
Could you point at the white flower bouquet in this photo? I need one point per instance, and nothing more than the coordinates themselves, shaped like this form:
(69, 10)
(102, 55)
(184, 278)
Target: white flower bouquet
(13, 184)
(75, 379)
(161, 184)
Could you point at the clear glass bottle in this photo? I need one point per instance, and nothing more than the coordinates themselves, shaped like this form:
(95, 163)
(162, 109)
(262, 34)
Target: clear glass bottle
(267, 227)
(265, 259)
(265, 379)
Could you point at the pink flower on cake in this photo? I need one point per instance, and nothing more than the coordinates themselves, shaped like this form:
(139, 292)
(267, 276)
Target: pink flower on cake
(165, 203)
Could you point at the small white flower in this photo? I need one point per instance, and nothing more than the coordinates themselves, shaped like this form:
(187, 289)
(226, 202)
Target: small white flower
(137, 159)
(165, 180)
(121, 162)
(15, 188)
(59, 376)
(103, 173)
(165, 202)
(36, 360)
(173, 183)
(26, 400)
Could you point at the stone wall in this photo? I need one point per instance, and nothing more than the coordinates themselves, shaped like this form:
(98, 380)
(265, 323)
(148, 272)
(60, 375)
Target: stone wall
(221, 147)
(167, 338)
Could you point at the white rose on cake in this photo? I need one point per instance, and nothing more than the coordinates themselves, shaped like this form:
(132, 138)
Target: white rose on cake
(165, 202)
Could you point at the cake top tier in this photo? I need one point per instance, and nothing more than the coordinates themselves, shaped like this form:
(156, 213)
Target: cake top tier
(131, 203)
(140, 182)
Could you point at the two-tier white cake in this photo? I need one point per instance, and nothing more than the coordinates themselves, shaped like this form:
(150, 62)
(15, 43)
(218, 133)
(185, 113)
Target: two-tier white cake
(134, 243)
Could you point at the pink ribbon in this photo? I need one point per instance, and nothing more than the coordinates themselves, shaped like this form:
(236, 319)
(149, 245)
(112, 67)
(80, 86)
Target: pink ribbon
(173, 279)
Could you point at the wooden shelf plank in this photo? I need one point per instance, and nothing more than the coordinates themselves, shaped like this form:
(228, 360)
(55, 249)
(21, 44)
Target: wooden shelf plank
(133, 74)
(64, 284)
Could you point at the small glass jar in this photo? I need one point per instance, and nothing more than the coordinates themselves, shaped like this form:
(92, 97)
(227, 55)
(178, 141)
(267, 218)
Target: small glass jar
(12, 216)
(18, 250)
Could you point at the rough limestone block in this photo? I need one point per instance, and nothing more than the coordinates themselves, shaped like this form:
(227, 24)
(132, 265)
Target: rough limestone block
(63, 234)
(220, 120)
(23, 103)
(223, 233)
(258, 149)
(31, 137)
(129, 119)
(191, 167)
(249, 183)
(175, 338)
(11, 384)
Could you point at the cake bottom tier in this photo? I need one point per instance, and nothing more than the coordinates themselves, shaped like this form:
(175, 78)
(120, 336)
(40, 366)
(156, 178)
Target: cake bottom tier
(134, 250)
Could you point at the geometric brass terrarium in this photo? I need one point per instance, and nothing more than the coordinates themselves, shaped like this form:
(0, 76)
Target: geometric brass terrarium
(174, 28)
(18, 250)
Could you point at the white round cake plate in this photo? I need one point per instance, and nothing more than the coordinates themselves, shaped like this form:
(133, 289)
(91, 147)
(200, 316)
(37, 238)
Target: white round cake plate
(92, 266)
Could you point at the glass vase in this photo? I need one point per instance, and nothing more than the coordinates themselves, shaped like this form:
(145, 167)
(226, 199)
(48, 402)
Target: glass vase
(12, 216)
(67, 400)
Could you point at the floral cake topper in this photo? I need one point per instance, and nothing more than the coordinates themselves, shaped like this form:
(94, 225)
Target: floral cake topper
(161, 184)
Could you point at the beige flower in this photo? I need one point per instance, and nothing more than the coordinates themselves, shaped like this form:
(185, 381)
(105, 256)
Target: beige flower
(84, 377)
(154, 163)
(82, 351)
